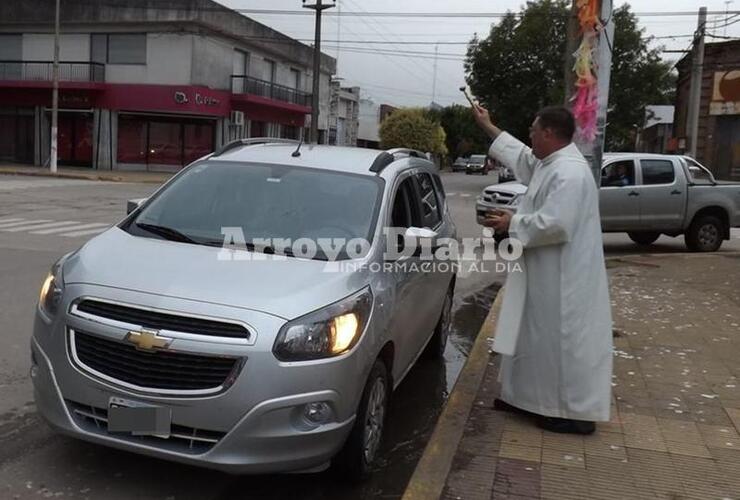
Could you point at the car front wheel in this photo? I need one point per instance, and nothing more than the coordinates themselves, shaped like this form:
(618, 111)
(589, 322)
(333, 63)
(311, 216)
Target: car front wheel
(356, 459)
(436, 346)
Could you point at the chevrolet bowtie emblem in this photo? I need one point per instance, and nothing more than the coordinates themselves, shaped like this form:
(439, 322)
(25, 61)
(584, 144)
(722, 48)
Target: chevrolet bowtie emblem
(148, 340)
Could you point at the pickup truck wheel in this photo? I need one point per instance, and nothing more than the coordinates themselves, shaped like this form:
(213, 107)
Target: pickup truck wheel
(705, 234)
(356, 459)
(435, 349)
(645, 239)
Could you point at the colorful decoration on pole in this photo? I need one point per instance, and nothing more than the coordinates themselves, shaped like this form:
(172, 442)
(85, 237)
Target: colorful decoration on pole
(586, 98)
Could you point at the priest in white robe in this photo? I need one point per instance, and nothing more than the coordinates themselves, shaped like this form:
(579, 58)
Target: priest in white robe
(555, 327)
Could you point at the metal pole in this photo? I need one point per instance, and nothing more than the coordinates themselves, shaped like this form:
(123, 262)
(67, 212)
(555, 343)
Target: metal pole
(434, 81)
(570, 47)
(55, 95)
(318, 7)
(696, 78)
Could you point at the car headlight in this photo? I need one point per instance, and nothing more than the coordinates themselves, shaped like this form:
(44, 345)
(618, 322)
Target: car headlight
(52, 290)
(325, 333)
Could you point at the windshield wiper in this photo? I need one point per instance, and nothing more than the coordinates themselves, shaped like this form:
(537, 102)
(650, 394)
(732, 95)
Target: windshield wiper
(167, 233)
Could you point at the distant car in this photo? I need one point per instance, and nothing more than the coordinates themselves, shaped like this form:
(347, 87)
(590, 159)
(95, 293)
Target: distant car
(476, 165)
(459, 164)
(647, 195)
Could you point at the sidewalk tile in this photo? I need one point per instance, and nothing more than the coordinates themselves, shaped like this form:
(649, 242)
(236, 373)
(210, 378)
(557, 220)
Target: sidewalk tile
(563, 458)
(517, 452)
(607, 445)
(564, 483)
(734, 414)
(531, 438)
(691, 449)
(676, 430)
(517, 477)
(563, 442)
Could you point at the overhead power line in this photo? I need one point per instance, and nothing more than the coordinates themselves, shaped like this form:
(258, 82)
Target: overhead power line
(457, 14)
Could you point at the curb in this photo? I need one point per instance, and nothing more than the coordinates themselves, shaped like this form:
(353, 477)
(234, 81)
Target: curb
(430, 476)
(86, 177)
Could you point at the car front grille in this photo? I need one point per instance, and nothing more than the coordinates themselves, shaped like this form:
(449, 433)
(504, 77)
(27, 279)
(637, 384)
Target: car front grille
(182, 439)
(165, 371)
(161, 320)
(498, 197)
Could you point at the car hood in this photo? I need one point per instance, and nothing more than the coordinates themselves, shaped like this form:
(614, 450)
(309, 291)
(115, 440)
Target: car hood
(508, 187)
(286, 287)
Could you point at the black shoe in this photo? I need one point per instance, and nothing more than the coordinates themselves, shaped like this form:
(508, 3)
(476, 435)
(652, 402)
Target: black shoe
(566, 425)
(501, 405)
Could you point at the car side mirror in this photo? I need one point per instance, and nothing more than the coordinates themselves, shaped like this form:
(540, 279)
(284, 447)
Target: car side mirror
(132, 205)
(420, 233)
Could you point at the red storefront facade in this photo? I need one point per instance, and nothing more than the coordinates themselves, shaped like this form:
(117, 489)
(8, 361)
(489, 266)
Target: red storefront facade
(134, 126)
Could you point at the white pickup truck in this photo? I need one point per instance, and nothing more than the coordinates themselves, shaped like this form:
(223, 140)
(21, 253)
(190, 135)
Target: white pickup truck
(646, 195)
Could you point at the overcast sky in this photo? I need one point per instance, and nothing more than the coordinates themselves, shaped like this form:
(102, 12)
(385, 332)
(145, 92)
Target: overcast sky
(408, 80)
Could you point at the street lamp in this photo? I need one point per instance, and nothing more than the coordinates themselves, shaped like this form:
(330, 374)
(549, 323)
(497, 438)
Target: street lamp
(319, 6)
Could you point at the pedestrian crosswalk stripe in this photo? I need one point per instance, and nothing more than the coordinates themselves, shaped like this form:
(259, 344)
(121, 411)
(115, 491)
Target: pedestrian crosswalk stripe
(71, 228)
(26, 222)
(37, 225)
(85, 233)
(3, 221)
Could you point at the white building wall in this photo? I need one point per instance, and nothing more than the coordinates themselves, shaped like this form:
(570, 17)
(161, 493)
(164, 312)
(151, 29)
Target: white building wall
(369, 121)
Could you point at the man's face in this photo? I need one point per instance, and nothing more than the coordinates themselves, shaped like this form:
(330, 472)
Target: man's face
(540, 139)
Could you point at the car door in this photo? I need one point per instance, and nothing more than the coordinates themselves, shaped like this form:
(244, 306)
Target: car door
(436, 276)
(408, 280)
(619, 201)
(662, 195)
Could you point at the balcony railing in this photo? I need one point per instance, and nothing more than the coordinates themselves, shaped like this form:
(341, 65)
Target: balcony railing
(241, 84)
(44, 71)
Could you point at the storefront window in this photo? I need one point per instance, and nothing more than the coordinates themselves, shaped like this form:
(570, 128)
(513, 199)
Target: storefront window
(132, 137)
(163, 141)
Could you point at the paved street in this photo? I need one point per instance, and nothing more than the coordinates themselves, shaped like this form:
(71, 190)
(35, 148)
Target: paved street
(42, 218)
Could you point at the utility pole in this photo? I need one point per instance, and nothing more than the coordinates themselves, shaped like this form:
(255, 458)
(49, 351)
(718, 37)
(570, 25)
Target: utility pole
(697, 70)
(55, 95)
(339, 33)
(434, 80)
(319, 7)
(571, 45)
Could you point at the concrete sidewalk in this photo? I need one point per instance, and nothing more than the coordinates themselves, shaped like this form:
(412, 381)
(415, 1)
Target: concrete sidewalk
(675, 429)
(86, 173)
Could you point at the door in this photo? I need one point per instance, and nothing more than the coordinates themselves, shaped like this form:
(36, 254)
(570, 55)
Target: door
(619, 201)
(407, 322)
(726, 161)
(74, 139)
(435, 283)
(662, 195)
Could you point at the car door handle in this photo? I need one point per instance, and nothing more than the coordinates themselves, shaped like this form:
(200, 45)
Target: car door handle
(634, 193)
(675, 191)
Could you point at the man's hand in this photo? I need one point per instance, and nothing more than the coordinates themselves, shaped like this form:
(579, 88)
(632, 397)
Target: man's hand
(499, 220)
(483, 119)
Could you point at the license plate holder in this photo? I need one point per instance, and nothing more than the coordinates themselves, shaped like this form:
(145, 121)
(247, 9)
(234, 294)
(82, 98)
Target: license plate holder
(138, 419)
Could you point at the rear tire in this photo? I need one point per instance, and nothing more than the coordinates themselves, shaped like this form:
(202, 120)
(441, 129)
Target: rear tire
(354, 462)
(644, 238)
(705, 234)
(435, 349)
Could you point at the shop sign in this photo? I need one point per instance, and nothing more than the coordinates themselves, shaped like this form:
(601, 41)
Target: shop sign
(726, 93)
(199, 99)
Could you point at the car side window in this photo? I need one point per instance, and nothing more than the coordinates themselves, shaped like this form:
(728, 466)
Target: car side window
(657, 172)
(618, 174)
(431, 216)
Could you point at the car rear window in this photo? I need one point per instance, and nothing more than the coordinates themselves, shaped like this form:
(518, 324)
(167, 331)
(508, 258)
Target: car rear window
(657, 172)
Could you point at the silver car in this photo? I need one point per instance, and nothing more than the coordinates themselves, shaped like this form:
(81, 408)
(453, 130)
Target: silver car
(157, 338)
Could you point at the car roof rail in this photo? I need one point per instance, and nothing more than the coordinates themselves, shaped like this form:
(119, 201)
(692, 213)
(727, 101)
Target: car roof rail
(387, 157)
(252, 141)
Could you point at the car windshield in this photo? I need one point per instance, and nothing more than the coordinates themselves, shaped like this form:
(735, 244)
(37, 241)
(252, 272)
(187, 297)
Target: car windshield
(264, 201)
(481, 159)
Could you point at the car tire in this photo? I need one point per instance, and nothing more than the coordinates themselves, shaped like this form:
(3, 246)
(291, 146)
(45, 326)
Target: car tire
(644, 238)
(354, 462)
(435, 349)
(705, 234)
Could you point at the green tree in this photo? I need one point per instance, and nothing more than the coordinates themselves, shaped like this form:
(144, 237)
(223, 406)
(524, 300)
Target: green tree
(519, 68)
(464, 137)
(413, 128)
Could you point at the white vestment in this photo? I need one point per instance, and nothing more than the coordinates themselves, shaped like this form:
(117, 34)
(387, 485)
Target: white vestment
(555, 327)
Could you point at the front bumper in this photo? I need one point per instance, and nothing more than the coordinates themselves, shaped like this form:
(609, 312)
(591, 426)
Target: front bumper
(482, 206)
(254, 427)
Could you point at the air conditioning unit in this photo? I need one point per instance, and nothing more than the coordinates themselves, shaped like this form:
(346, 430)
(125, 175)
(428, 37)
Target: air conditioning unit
(237, 118)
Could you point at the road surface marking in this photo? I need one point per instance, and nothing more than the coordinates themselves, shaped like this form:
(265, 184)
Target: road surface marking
(26, 222)
(46, 225)
(85, 233)
(78, 228)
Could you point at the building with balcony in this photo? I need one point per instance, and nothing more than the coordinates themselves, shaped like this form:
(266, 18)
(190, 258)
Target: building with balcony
(148, 85)
(344, 113)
